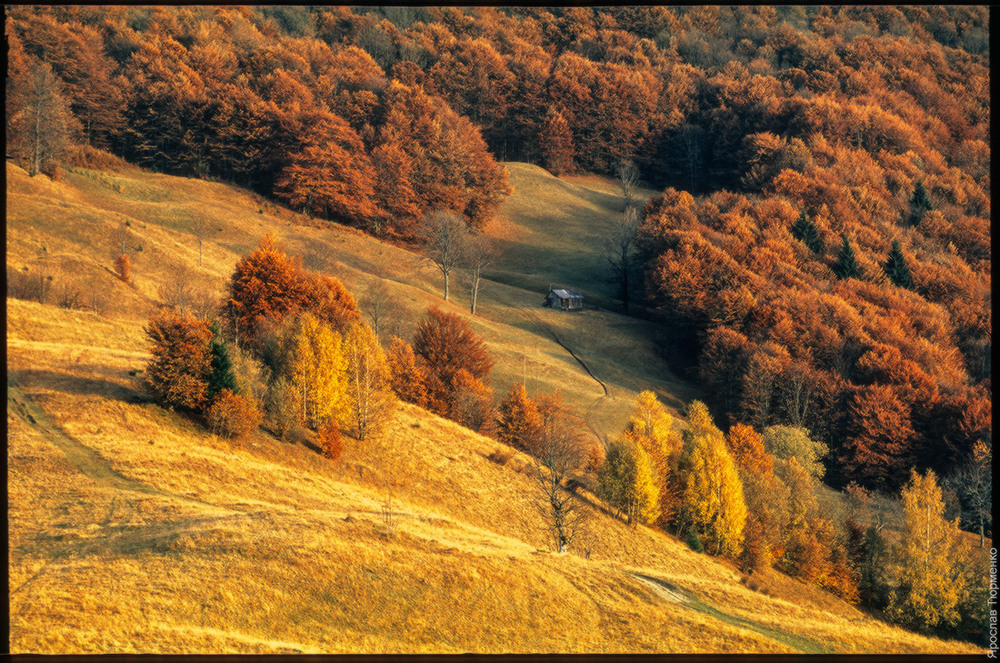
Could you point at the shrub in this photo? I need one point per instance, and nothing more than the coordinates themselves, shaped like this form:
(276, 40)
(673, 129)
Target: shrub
(232, 415)
(179, 370)
(123, 268)
(330, 440)
(694, 543)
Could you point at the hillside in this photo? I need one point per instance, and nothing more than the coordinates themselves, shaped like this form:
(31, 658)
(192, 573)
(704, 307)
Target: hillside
(133, 530)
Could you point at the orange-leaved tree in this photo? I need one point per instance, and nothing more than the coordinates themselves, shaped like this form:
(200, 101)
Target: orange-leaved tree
(266, 285)
(446, 344)
(407, 375)
(518, 421)
(328, 299)
(766, 498)
(232, 415)
(331, 175)
(179, 370)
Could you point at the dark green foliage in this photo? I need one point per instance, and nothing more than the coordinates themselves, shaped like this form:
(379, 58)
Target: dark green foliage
(846, 266)
(805, 231)
(694, 543)
(222, 375)
(867, 552)
(920, 203)
(896, 268)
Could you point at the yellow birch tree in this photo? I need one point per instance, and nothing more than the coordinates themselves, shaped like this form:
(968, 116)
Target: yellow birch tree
(713, 497)
(930, 583)
(316, 366)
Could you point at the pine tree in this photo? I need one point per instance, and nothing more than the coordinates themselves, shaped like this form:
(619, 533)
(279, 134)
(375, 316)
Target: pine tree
(805, 231)
(896, 268)
(920, 203)
(846, 266)
(222, 375)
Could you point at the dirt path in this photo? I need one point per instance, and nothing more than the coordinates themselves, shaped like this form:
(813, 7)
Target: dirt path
(677, 595)
(85, 459)
(588, 415)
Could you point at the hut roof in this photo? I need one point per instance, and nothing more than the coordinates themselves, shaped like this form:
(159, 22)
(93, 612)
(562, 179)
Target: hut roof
(566, 293)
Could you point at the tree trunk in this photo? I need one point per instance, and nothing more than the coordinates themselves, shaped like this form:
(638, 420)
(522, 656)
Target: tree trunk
(625, 287)
(474, 293)
(446, 286)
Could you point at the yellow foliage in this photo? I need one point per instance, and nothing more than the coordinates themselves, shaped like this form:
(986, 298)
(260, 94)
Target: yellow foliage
(714, 495)
(315, 363)
(653, 427)
(930, 582)
(370, 398)
(626, 480)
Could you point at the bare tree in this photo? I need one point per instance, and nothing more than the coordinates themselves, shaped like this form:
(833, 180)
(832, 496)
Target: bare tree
(628, 180)
(480, 252)
(973, 482)
(200, 228)
(40, 119)
(121, 240)
(176, 290)
(620, 250)
(561, 451)
(444, 235)
(381, 308)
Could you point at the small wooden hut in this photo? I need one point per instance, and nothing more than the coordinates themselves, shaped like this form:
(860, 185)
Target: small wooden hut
(564, 298)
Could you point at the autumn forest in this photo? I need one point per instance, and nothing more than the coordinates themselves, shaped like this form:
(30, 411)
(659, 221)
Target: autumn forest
(817, 258)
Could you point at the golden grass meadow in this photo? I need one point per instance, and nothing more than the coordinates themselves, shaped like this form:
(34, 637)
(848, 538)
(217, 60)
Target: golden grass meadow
(132, 529)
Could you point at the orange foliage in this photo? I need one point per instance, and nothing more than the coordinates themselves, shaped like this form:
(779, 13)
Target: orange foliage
(232, 415)
(446, 345)
(407, 375)
(330, 440)
(181, 364)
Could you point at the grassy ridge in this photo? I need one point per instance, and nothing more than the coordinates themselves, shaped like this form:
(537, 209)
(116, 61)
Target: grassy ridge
(133, 530)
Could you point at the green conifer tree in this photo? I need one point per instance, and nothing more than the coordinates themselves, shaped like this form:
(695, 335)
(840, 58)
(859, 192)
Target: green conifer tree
(846, 266)
(222, 375)
(805, 231)
(920, 203)
(896, 268)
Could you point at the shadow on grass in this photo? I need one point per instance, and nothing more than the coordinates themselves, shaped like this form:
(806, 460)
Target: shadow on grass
(78, 385)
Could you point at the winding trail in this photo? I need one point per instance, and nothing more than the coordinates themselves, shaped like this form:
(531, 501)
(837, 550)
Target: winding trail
(533, 317)
(85, 459)
(675, 594)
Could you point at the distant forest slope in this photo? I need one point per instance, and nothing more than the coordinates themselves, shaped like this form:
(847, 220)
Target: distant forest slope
(821, 252)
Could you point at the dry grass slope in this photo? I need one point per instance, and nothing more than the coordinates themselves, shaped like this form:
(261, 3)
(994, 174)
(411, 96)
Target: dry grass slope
(133, 530)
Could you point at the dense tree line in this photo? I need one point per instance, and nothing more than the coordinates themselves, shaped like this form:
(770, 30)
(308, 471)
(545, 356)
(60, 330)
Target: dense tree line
(228, 93)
